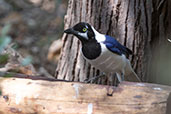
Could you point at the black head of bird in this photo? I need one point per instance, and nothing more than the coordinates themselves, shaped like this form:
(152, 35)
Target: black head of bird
(83, 31)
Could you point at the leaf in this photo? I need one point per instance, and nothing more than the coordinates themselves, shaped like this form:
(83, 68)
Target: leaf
(14, 46)
(3, 58)
(26, 61)
(4, 41)
(7, 75)
(5, 30)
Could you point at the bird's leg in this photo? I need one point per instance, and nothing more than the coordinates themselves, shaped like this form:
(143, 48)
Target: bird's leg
(123, 76)
(119, 77)
(94, 78)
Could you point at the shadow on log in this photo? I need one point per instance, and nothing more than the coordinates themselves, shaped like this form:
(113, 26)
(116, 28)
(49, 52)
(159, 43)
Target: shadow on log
(27, 96)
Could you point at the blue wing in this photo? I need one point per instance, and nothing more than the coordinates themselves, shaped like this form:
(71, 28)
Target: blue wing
(114, 46)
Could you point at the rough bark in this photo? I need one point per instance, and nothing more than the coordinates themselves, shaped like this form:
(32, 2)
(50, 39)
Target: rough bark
(160, 46)
(25, 96)
(137, 24)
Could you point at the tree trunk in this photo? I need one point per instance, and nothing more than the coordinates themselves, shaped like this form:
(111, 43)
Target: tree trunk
(138, 24)
(160, 46)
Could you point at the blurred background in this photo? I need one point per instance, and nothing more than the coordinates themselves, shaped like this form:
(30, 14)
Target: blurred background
(34, 26)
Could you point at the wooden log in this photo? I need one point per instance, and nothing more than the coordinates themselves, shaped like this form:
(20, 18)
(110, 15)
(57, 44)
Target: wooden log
(26, 96)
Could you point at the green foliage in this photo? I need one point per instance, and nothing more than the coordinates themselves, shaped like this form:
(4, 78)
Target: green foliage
(4, 38)
(4, 41)
(26, 61)
(3, 58)
(7, 75)
(14, 45)
(5, 30)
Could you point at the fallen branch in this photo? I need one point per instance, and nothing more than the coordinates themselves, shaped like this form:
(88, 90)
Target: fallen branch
(28, 96)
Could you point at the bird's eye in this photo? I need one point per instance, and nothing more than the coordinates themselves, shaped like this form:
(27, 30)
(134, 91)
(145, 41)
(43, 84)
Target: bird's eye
(84, 29)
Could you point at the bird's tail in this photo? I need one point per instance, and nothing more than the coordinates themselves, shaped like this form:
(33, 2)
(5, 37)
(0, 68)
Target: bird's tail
(130, 75)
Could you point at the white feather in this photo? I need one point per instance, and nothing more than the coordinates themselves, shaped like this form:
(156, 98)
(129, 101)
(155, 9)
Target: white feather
(99, 37)
(83, 35)
(109, 62)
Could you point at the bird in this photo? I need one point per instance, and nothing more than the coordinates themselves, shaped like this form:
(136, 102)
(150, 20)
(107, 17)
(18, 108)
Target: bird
(104, 52)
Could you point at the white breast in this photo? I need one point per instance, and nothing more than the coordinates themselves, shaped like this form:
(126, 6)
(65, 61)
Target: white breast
(108, 62)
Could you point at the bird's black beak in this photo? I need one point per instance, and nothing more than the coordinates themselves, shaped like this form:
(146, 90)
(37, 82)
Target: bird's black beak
(75, 33)
(71, 31)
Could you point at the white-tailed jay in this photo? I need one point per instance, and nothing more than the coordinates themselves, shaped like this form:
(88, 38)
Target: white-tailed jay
(104, 52)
